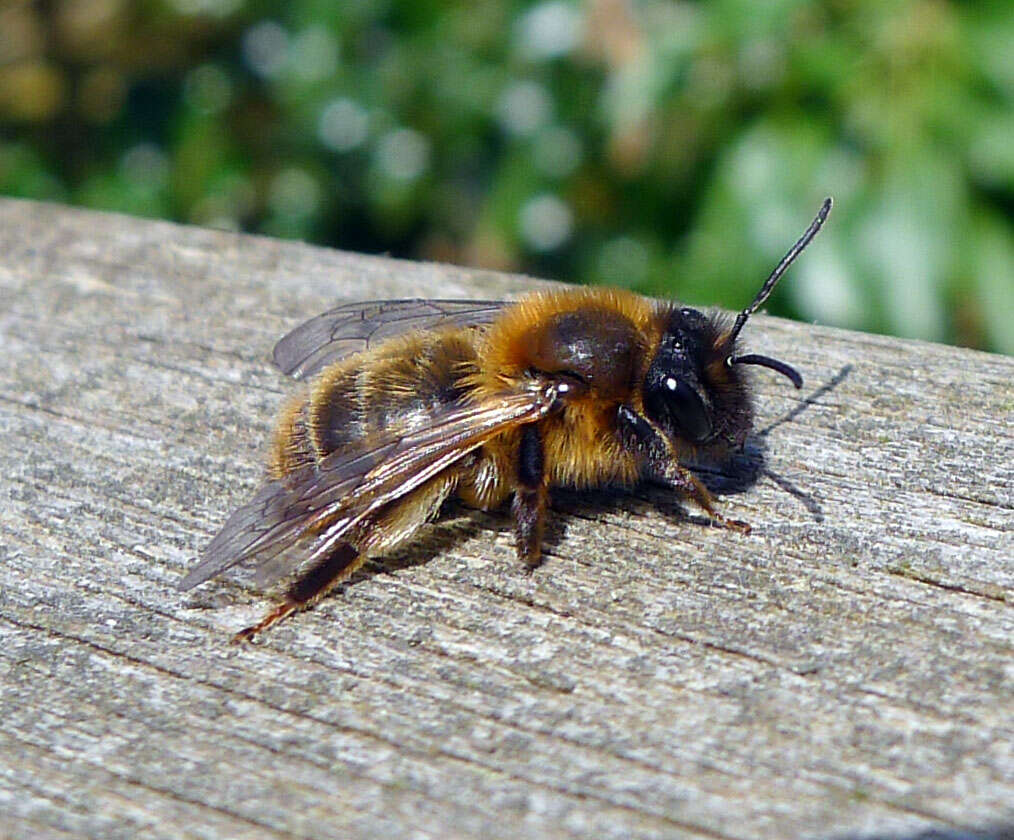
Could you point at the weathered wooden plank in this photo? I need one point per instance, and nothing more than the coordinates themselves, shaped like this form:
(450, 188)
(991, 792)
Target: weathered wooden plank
(846, 669)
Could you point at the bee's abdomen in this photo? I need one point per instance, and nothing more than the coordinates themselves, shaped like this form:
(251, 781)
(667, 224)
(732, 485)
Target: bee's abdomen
(292, 447)
(400, 386)
(337, 413)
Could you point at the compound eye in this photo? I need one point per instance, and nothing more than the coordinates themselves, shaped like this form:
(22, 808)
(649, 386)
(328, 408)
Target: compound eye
(688, 410)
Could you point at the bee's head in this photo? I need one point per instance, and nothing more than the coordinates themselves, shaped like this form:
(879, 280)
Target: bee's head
(694, 389)
(690, 393)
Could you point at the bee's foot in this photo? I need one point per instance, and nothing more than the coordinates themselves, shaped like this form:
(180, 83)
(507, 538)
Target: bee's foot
(737, 525)
(283, 610)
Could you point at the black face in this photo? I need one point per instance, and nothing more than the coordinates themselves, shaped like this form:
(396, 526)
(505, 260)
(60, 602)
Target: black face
(682, 397)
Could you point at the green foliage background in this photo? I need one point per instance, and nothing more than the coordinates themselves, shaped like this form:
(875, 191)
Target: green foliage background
(675, 148)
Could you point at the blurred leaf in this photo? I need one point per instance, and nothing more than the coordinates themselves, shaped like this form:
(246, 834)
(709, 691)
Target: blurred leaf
(675, 147)
(25, 174)
(992, 260)
(908, 241)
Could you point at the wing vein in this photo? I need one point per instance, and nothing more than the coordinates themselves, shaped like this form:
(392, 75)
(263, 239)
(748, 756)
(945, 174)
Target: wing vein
(325, 501)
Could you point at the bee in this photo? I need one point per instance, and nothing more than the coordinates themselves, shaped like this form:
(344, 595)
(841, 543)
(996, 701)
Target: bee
(413, 402)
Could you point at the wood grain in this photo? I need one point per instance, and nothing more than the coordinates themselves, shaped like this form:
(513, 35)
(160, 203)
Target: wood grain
(846, 670)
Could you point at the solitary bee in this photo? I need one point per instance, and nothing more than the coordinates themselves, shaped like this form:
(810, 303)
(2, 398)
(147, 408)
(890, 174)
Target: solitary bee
(416, 401)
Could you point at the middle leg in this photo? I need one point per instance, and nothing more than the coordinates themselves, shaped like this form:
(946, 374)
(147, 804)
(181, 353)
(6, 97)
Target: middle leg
(530, 496)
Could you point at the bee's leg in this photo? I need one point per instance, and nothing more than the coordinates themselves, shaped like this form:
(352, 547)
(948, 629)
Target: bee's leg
(686, 482)
(312, 586)
(641, 437)
(529, 506)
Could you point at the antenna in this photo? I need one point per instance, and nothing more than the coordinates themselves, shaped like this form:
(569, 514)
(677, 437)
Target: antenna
(780, 269)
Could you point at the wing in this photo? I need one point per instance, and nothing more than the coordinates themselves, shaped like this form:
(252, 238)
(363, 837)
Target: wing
(354, 327)
(302, 516)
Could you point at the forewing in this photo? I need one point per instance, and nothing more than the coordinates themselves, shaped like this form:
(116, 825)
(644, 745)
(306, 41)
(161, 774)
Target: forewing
(355, 327)
(280, 514)
(316, 505)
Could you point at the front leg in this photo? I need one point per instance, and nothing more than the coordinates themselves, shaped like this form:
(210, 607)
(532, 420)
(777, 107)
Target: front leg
(529, 505)
(656, 450)
(687, 483)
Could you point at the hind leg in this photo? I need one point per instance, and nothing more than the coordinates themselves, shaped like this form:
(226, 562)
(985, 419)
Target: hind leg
(311, 587)
(378, 534)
